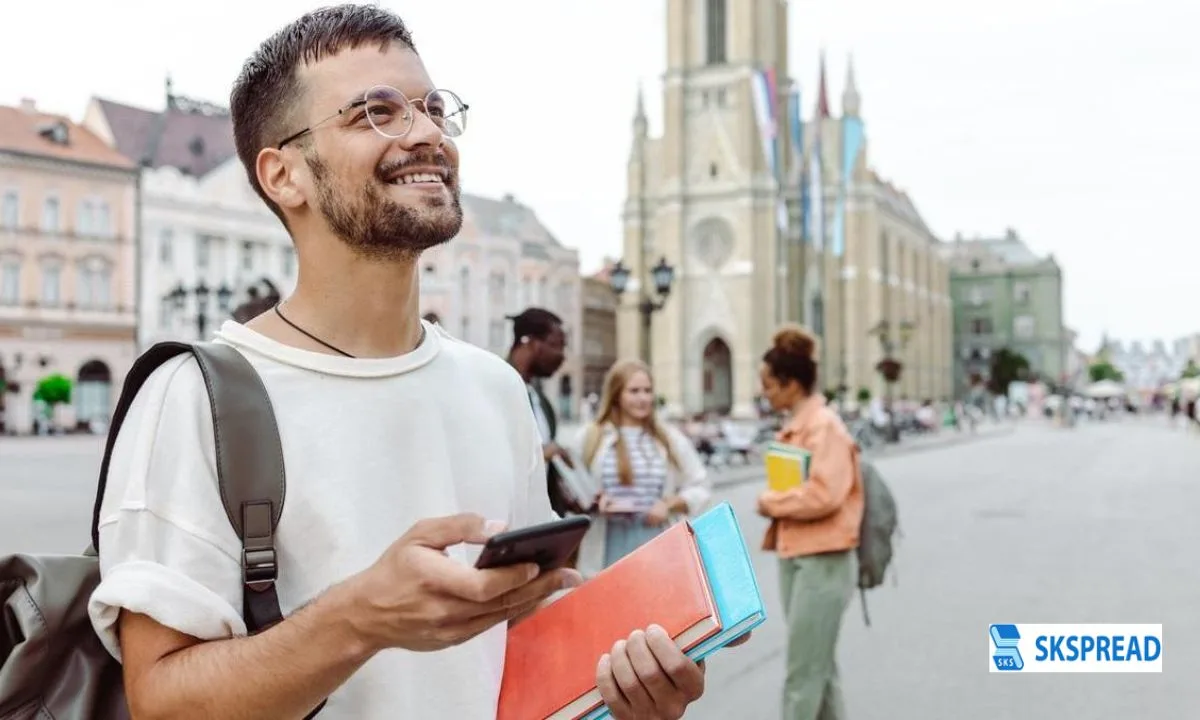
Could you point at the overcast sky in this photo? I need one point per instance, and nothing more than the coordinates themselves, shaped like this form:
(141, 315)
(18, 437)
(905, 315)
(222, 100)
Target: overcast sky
(1072, 121)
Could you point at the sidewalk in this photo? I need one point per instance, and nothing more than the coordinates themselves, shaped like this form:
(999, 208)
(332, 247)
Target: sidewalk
(738, 474)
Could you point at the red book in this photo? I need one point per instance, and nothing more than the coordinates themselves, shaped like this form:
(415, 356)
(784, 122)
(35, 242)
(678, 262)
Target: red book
(550, 664)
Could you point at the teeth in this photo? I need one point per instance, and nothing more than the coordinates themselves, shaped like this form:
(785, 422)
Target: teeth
(417, 178)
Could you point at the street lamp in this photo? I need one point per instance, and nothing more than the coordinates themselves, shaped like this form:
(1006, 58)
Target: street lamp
(889, 367)
(663, 276)
(178, 299)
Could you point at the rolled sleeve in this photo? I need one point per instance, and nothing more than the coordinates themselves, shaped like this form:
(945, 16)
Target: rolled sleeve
(167, 549)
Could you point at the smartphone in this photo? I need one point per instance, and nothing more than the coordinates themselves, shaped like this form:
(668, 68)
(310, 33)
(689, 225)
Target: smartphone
(549, 545)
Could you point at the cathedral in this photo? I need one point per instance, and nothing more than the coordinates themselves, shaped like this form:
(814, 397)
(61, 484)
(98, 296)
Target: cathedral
(848, 256)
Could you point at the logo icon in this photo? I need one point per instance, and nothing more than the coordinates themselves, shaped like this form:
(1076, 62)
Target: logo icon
(1005, 654)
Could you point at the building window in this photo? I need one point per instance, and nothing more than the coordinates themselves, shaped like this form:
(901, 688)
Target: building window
(289, 261)
(83, 223)
(1021, 293)
(165, 249)
(203, 250)
(10, 210)
(95, 285)
(714, 19)
(1024, 327)
(10, 282)
(102, 220)
(51, 285)
(981, 326)
(496, 290)
(248, 256)
(50, 215)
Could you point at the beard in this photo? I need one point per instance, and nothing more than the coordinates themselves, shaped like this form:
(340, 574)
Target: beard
(374, 226)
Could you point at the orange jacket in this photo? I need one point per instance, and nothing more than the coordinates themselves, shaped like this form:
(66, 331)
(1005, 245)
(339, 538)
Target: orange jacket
(824, 515)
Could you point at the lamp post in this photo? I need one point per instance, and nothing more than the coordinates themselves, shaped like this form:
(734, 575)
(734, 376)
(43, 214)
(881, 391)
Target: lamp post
(892, 341)
(663, 276)
(202, 293)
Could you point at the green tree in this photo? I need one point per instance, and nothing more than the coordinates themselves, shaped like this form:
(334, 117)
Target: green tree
(1191, 371)
(53, 390)
(864, 394)
(1007, 367)
(1104, 370)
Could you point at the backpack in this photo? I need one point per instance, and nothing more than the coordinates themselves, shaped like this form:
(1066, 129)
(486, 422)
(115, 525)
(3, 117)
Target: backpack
(880, 522)
(52, 664)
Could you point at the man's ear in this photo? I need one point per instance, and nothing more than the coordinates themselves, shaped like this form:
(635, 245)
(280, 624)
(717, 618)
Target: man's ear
(277, 178)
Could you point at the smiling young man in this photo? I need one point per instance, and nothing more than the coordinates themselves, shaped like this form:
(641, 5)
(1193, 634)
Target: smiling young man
(398, 440)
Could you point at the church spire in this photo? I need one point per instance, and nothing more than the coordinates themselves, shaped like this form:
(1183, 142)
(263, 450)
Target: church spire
(823, 93)
(639, 117)
(851, 101)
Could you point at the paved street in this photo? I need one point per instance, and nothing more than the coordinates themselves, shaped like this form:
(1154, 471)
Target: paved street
(1094, 524)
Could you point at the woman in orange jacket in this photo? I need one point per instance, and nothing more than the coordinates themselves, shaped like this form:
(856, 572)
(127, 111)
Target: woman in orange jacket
(814, 528)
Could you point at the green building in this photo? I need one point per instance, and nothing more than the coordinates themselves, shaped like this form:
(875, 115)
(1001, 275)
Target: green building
(1005, 296)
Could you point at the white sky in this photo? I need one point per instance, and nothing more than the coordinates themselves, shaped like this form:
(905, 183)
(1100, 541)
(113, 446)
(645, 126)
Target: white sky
(1073, 121)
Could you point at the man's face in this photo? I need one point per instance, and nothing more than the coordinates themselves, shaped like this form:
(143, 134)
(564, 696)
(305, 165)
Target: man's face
(358, 178)
(549, 353)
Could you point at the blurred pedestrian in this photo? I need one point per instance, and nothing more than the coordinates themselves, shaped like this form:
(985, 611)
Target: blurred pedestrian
(648, 472)
(814, 528)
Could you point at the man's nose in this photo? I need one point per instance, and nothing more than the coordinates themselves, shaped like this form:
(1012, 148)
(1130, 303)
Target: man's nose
(424, 132)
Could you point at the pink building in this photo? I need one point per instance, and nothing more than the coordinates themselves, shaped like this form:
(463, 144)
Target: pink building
(68, 235)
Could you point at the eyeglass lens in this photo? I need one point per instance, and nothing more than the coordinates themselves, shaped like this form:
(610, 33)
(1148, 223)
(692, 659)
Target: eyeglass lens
(391, 113)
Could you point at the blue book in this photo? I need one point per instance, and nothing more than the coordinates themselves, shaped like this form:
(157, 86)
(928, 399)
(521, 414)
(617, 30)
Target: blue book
(731, 578)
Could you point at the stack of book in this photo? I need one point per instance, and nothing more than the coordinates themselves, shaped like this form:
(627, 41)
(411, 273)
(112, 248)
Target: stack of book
(787, 466)
(695, 580)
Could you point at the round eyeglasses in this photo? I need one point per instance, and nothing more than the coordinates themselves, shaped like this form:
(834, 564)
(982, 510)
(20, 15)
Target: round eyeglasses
(392, 114)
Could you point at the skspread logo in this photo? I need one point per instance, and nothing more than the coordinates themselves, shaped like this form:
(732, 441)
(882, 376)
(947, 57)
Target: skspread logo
(1075, 648)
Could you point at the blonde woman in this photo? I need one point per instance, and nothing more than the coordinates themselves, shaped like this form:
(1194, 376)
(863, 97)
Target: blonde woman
(647, 471)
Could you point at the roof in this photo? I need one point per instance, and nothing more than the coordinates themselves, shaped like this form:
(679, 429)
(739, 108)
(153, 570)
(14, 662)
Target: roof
(507, 218)
(898, 201)
(1009, 250)
(26, 130)
(192, 136)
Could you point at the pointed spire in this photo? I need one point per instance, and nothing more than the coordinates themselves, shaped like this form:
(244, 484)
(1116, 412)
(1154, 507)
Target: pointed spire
(170, 91)
(640, 125)
(851, 101)
(823, 92)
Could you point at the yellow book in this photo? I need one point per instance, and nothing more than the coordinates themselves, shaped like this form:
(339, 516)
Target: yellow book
(786, 468)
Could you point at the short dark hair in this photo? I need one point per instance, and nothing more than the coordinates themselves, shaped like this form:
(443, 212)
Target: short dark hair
(264, 94)
(534, 322)
(792, 357)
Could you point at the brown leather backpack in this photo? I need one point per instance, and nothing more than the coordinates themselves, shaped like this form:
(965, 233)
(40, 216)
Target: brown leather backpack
(52, 664)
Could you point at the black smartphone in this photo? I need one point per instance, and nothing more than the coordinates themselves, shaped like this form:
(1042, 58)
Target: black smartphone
(549, 545)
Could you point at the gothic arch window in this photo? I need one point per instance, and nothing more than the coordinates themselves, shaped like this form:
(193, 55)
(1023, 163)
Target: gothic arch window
(714, 31)
(712, 242)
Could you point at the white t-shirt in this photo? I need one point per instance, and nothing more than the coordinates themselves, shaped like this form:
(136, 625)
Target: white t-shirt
(370, 446)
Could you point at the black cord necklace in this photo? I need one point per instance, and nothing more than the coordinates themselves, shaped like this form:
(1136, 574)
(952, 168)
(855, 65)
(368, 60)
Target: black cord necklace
(316, 339)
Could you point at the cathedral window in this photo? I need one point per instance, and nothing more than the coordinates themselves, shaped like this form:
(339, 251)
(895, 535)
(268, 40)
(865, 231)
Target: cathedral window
(714, 18)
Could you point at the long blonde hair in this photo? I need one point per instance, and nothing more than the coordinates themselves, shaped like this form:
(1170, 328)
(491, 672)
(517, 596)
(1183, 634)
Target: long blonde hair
(610, 412)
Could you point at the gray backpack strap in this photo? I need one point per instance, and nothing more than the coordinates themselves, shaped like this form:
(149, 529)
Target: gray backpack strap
(250, 472)
(250, 468)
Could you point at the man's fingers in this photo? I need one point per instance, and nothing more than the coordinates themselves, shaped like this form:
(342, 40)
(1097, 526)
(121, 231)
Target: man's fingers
(441, 533)
(539, 589)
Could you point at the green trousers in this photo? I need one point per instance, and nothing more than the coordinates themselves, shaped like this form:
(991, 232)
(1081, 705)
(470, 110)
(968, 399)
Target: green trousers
(816, 590)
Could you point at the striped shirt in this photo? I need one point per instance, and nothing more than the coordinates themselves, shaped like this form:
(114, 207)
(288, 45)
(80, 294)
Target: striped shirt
(649, 467)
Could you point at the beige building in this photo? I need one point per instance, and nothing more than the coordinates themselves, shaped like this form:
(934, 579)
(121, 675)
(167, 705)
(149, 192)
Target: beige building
(599, 350)
(68, 235)
(503, 261)
(894, 283)
(703, 197)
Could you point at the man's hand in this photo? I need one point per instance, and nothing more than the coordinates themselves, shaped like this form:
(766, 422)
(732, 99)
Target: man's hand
(647, 677)
(415, 597)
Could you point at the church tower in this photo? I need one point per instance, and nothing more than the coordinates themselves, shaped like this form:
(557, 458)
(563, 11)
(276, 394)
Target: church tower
(703, 197)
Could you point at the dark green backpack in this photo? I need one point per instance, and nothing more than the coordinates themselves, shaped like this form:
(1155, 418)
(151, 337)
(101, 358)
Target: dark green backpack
(880, 524)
